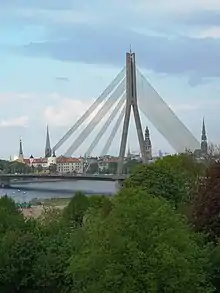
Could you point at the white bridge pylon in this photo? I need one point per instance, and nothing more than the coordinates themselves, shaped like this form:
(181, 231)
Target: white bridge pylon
(114, 98)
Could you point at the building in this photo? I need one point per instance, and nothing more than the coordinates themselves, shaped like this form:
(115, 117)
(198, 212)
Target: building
(62, 164)
(148, 146)
(37, 162)
(108, 164)
(69, 165)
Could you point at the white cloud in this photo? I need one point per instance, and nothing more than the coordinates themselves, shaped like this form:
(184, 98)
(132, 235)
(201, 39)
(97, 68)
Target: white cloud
(195, 105)
(57, 16)
(21, 121)
(66, 112)
(9, 97)
(172, 6)
(213, 32)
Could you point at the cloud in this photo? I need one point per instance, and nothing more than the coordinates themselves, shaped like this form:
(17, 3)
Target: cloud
(203, 17)
(15, 122)
(84, 32)
(97, 45)
(62, 78)
(195, 105)
(65, 112)
(197, 80)
(6, 98)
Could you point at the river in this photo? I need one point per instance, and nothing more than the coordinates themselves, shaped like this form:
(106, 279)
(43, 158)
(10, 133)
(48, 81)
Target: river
(28, 191)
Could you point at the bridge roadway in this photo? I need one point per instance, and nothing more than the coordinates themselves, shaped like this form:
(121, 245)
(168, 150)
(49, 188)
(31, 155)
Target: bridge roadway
(8, 177)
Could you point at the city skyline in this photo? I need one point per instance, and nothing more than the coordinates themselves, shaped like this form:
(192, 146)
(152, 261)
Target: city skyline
(46, 79)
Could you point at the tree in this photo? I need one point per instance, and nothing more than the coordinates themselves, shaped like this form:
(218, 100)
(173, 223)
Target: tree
(186, 166)
(76, 209)
(18, 251)
(39, 168)
(49, 267)
(53, 168)
(141, 246)
(161, 181)
(93, 168)
(112, 167)
(130, 166)
(10, 217)
(206, 204)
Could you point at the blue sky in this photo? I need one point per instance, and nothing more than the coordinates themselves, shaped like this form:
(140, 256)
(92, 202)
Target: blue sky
(57, 58)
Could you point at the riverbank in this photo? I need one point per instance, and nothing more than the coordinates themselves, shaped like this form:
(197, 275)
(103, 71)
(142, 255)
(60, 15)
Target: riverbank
(38, 208)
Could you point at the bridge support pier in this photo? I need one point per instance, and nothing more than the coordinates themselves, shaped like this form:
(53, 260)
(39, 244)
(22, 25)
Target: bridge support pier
(119, 184)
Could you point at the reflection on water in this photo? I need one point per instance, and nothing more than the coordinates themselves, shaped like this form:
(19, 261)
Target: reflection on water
(26, 192)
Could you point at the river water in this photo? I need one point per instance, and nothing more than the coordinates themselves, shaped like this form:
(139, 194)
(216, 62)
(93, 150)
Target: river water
(58, 189)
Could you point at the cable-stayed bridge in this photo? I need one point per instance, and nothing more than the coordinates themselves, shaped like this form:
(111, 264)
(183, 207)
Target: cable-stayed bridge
(129, 90)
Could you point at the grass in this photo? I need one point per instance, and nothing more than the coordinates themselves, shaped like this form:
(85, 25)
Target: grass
(56, 201)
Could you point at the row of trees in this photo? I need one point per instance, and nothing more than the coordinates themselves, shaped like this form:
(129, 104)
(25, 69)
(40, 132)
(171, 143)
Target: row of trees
(13, 167)
(160, 233)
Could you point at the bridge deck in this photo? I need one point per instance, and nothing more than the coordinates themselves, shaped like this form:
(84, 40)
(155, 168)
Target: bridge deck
(66, 177)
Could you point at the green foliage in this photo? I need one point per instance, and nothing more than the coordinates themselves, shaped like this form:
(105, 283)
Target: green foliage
(130, 165)
(160, 181)
(215, 260)
(76, 209)
(186, 166)
(183, 163)
(8, 204)
(49, 268)
(18, 252)
(99, 206)
(206, 205)
(10, 217)
(141, 246)
(93, 168)
(53, 168)
(14, 167)
(112, 167)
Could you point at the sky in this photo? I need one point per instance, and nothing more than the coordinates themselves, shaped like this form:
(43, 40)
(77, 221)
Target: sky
(57, 57)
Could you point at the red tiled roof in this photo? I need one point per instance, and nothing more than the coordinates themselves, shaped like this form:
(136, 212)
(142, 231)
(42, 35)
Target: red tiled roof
(63, 160)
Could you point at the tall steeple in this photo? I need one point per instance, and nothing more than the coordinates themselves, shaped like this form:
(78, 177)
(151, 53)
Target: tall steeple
(21, 154)
(48, 151)
(204, 137)
(148, 145)
(204, 144)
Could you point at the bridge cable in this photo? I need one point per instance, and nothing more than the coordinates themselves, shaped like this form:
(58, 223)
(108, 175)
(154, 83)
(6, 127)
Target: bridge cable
(105, 126)
(163, 118)
(113, 133)
(96, 120)
(93, 107)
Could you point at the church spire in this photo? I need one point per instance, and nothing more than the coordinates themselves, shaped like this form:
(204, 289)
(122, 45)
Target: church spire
(48, 151)
(20, 154)
(204, 144)
(204, 137)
